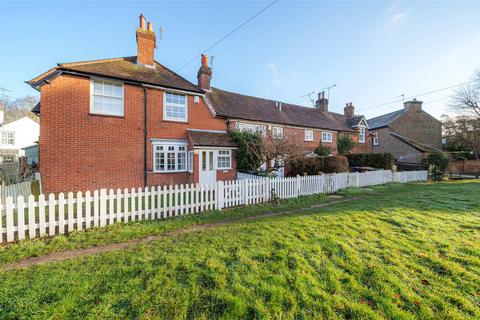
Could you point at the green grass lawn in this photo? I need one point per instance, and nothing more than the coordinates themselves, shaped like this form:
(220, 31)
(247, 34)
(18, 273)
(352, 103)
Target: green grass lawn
(398, 252)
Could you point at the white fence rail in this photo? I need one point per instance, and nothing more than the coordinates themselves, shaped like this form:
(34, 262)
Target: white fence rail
(23, 217)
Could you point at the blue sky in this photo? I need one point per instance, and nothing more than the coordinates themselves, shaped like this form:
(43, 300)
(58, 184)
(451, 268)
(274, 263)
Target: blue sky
(373, 50)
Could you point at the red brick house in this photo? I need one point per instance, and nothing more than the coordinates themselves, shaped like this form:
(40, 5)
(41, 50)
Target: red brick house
(129, 122)
(409, 133)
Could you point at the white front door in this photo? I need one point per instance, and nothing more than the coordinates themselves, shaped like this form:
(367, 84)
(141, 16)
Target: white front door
(208, 172)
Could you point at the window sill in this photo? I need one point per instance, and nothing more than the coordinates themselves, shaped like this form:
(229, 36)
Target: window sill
(106, 115)
(163, 172)
(175, 121)
(327, 141)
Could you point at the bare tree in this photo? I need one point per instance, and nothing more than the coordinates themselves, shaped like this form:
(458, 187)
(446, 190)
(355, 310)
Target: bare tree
(466, 99)
(462, 132)
(19, 108)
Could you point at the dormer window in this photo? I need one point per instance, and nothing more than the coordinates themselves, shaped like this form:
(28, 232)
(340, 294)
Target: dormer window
(106, 97)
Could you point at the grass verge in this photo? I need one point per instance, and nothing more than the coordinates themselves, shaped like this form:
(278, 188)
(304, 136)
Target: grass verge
(401, 252)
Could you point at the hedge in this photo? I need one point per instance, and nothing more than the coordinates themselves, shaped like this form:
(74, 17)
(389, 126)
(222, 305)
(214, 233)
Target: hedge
(374, 160)
(316, 165)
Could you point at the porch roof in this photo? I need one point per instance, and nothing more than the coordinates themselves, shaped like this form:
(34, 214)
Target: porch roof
(207, 138)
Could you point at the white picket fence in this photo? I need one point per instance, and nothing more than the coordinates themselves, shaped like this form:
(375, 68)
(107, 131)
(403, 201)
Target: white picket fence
(48, 216)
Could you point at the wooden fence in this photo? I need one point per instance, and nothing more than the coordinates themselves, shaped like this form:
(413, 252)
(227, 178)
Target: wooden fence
(51, 215)
(14, 190)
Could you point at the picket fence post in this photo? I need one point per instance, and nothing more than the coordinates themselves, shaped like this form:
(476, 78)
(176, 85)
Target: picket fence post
(219, 194)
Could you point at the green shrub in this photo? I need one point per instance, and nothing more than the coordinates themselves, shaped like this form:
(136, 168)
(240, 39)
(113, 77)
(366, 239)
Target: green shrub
(439, 163)
(345, 144)
(322, 150)
(374, 160)
(316, 165)
(249, 154)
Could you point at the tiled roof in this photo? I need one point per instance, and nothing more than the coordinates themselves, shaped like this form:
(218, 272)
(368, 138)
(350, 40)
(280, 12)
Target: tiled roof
(355, 121)
(384, 120)
(239, 106)
(210, 139)
(125, 69)
(415, 144)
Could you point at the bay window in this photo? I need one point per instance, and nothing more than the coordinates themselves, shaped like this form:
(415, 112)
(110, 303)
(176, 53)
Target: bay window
(170, 157)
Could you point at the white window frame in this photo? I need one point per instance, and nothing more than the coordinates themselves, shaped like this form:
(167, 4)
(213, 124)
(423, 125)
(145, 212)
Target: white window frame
(254, 128)
(219, 156)
(165, 151)
(167, 118)
(6, 137)
(327, 136)
(190, 161)
(308, 135)
(362, 133)
(92, 97)
(375, 140)
(277, 132)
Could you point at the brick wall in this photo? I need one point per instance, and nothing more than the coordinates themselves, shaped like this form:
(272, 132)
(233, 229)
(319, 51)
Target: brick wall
(416, 125)
(79, 151)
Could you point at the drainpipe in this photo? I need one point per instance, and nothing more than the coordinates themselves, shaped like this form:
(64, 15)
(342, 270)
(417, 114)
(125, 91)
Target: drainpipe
(145, 131)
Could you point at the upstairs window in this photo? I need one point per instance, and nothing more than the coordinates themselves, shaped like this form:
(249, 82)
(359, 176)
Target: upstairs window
(277, 133)
(175, 107)
(106, 97)
(171, 157)
(224, 159)
(308, 135)
(8, 138)
(327, 137)
(262, 129)
(361, 134)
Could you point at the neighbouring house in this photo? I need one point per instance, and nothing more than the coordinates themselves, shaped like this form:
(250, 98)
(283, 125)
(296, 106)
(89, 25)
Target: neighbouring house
(409, 134)
(130, 122)
(15, 136)
(31, 154)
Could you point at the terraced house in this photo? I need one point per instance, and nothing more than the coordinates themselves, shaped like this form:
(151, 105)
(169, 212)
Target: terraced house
(129, 122)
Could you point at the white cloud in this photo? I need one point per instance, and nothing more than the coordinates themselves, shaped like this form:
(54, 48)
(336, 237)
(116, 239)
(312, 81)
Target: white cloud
(277, 77)
(397, 18)
(395, 15)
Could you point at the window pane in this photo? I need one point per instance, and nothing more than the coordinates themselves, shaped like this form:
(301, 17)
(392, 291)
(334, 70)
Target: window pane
(210, 162)
(204, 160)
(108, 89)
(118, 91)
(97, 88)
(171, 161)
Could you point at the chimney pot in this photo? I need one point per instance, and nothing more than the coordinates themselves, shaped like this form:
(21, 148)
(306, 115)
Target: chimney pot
(150, 26)
(204, 60)
(142, 22)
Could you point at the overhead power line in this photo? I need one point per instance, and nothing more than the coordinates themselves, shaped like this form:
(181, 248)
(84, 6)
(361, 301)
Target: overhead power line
(227, 35)
(415, 96)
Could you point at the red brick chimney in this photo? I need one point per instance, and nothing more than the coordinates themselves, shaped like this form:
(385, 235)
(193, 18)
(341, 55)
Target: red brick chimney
(322, 102)
(349, 110)
(204, 74)
(145, 44)
(413, 106)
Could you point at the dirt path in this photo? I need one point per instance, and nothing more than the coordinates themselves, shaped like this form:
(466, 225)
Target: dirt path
(65, 255)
